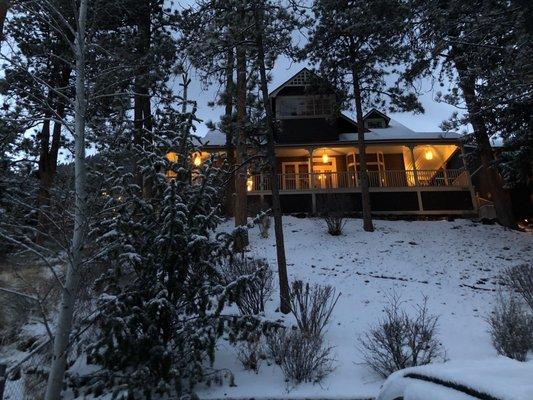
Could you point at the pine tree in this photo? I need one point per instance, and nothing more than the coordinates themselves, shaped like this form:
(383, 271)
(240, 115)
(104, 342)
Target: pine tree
(482, 49)
(356, 45)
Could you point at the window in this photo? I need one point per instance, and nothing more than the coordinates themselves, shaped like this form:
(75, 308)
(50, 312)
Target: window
(375, 123)
(304, 106)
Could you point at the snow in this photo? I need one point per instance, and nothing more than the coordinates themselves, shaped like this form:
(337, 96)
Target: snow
(454, 263)
(499, 377)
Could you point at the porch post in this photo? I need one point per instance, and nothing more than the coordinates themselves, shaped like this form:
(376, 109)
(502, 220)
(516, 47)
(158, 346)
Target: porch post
(472, 191)
(417, 185)
(311, 173)
(413, 162)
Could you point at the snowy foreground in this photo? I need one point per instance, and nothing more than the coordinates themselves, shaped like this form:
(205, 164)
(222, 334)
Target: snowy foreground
(455, 264)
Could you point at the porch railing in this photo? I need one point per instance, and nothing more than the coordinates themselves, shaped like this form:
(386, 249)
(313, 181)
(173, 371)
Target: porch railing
(347, 179)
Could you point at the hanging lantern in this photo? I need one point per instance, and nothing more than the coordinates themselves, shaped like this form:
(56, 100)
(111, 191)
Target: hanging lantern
(325, 157)
(172, 157)
(249, 184)
(428, 154)
(197, 161)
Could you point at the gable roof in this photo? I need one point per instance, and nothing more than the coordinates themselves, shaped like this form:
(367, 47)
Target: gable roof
(379, 114)
(301, 78)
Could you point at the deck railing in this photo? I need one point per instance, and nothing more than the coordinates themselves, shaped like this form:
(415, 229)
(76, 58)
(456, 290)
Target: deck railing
(347, 179)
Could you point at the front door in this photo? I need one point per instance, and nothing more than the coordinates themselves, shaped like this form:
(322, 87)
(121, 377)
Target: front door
(325, 174)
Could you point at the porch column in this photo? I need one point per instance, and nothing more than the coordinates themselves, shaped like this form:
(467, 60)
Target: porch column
(413, 162)
(472, 191)
(311, 150)
(417, 185)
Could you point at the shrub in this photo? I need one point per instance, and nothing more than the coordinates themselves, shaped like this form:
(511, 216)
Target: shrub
(252, 297)
(511, 327)
(264, 225)
(520, 279)
(312, 306)
(333, 212)
(251, 352)
(302, 358)
(400, 341)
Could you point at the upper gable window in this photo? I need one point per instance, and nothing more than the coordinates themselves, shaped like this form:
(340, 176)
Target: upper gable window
(304, 106)
(375, 123)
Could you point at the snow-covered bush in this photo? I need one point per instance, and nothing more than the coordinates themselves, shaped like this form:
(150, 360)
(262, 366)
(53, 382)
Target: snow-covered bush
(264, 225)
(252, 297)
(163, 294)
(520, 279)
(250, 352)
(302, 358)
(511, 327)
(312, 306)
(333, 211)
(400, 341)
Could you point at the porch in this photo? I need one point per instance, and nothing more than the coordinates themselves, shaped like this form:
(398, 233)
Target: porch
(403, 179)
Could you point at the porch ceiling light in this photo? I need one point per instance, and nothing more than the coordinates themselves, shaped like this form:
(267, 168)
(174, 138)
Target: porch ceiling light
(428, 154)
(325, 157)
(197, 161)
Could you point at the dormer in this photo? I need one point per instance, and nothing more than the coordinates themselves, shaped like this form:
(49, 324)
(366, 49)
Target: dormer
(375, 119)
(303, 96)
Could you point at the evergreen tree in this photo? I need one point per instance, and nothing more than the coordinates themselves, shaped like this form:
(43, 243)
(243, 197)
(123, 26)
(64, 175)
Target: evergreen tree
(357, 45)
(482, 49)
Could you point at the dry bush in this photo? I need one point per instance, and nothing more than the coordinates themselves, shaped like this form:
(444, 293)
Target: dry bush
(251, 352)
(333, 211)
(520, 279)
(253, 296)
(400, 341)
(264, 226)
(312, 306)
(511, 327)
(302, 358)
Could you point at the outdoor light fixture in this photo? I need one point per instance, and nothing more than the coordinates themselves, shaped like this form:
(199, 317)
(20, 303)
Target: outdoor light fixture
(172, 157)
(249, 184)
(428, 154)
(197, 160)
(325, 157)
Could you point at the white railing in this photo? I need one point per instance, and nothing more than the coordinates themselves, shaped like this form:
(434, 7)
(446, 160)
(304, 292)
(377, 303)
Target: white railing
(346, 179)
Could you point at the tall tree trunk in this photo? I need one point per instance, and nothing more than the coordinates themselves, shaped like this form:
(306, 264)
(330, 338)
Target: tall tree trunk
(271, 157)
(142, 100)
(228, 130)
(241, 201)
(368, 226)
(69, 293)
(500, 198)
(49, 150)
(4, 5)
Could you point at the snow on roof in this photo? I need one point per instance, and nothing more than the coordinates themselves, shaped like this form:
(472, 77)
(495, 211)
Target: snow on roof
(213, 137)
(398, 131)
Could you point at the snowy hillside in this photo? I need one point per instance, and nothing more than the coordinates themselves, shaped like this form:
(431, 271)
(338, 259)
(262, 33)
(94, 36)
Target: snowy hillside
(455, 264)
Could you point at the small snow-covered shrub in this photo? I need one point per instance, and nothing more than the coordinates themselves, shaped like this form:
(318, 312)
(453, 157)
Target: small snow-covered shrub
(511, 327)
(250, 352)
(400, 341)
(302, 358)
(520, 279)
(333, 212)
(264, 225)
(312, 306)
(252, 297)
(335, 223)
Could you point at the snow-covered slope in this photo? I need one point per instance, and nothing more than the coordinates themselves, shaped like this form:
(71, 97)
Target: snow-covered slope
(455, 264)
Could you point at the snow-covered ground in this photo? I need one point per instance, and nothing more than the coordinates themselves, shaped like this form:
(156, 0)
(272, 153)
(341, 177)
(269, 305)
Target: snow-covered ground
(454, 263)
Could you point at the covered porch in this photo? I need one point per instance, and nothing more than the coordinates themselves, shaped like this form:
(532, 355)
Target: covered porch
(433, 175)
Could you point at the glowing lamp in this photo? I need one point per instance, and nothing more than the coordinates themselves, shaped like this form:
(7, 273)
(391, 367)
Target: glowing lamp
(325, 158)
(197, 160)
(428, 155)
(249, 184)
(172, 157)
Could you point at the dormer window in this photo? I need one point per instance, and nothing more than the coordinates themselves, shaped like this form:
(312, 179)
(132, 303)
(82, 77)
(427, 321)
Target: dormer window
(375, 123)
(304, 106)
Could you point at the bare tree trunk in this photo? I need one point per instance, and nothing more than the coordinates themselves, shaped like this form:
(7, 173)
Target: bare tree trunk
(368, 226)
(241, 201)
(4, 5)
(500, 198)
(271, 156)
(228, 130)
(69, 293)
